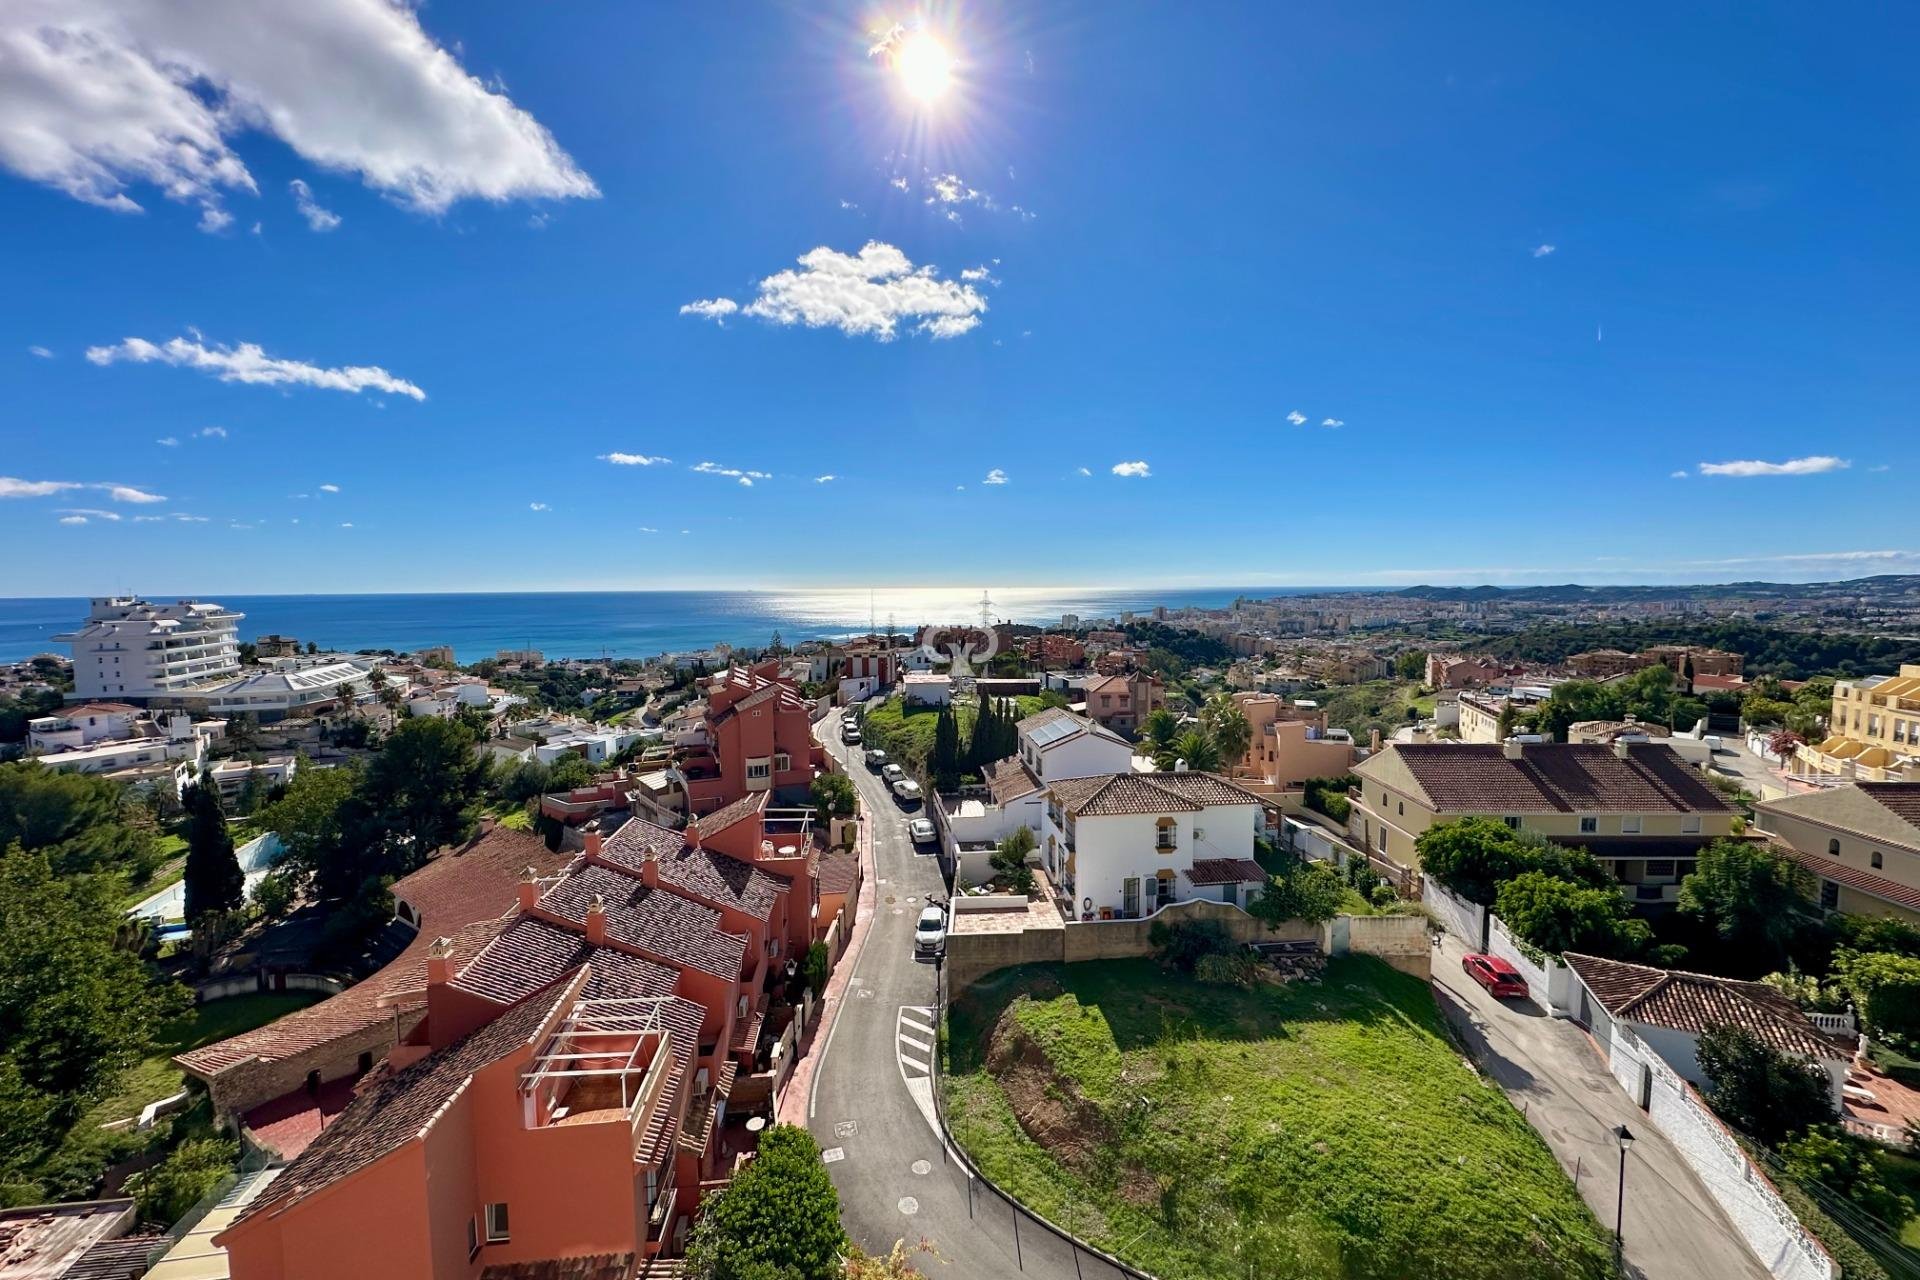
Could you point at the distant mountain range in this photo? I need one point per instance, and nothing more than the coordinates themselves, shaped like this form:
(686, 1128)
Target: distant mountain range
(1887, 586)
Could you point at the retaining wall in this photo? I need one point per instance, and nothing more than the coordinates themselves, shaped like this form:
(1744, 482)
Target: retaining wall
(1465, 920)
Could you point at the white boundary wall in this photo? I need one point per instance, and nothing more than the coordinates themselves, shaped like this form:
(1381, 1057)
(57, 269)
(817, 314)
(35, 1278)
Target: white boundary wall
(1549, 981)
(1763, 1219)
(1464, 920)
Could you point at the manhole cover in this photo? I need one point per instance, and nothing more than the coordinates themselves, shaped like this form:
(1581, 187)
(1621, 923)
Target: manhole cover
(891, 899)
(832, 1155)
(922, 1167)
(846, 1128)
(909, 1205)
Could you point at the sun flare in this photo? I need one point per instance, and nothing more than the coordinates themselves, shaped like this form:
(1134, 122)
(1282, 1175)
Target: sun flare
(924, 66)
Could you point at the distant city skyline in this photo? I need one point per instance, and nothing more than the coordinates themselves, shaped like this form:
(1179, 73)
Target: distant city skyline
(710, 298)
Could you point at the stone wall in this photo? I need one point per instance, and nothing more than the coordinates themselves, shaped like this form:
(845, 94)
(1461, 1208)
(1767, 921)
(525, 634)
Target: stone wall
(1401, 941)
(248, 1084)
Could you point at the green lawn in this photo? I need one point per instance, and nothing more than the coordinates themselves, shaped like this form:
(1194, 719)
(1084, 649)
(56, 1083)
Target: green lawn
(1316, 1131)
(154, 1077)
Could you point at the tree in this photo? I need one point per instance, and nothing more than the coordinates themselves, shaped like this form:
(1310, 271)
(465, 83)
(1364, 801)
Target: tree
(1764, 1093)
(1783, 743)
(252, 793)
(308, 818)
(1558, 915)
(1749, 896)
(1198, 750)
(82, 823)
(1886, 988)
(1843, 1164)
(1009, 860)
(833, 795)
(424, 788)
(983, 742)
(273, 893)
(1411, 665)
(568, 772)
(1227, 725)
(214, 881)
(1473, 857)
(166, 1191)
(895, 1264)
(944, 760)
(778, 1219)
(1161, 727)
(1309, 891)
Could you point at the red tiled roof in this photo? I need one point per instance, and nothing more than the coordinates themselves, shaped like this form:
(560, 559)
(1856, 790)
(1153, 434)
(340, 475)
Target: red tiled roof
(1902, 799)
(1555, 777)
(739, 811)
(656, 922)
(1208, 871)
(1007, 780)
(1110, 794)
(1696, 1002)
(476, 880)
(403, 1106)
(532, 953)
(706, 873)
(839, 871)
(1839, 872)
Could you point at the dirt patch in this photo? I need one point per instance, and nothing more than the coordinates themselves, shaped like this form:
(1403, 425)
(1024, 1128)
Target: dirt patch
(1055, 1114)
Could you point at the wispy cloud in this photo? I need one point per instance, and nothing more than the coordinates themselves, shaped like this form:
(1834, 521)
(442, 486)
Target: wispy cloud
(12, 487)
(1545, 250)
(1085, 471)
(329, 488)
(91, 512)
(128, 493)
(184, 518)
(634, 459)
(746, 478)
(73, 519)
(714, 309)
(1132, 470)
(346, 524)
(37, 350)
(1297, 418)
(1813, 465)
(248, 363)
(112, 95)
(995, 476)
(826, 479)
(212, 433)
(318, 219)
(1678, 475)
(647, 528)
(1882, 467)
(1332, 422)
(538, 506)
(868, 294)
(172, 442)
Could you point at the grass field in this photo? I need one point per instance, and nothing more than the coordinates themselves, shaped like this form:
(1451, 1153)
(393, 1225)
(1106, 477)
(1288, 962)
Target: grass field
(1318, 1131)
(906, 734)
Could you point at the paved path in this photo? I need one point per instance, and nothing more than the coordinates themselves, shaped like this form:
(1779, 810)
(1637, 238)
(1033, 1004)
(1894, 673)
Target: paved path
(1552, 1071)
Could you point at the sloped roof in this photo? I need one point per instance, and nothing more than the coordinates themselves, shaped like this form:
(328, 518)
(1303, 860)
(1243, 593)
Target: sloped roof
(532, 953)
(655, 921)
(1833, 869)
(739, 811)
(839, 871)
(706, 873)
(1553, 777)
(597, 1266)
(1007, 780)
(1108, 795)
(403, 1107)
(1884, 811)
(1208, 871)
(1697, 1002)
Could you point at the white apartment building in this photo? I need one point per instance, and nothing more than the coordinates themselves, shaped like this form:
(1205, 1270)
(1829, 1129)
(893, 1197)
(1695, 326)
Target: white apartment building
(187, 655)
(116, 741)
(1054, 744)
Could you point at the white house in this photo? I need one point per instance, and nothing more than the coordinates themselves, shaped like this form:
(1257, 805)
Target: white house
(926, 689)
(1054, 744)
(231, 775)
(1123, 845)
(1666, 1010)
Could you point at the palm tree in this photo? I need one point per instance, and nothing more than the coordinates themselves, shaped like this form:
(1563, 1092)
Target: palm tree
(1161, 727)
(1227, 725)
(1200, 752)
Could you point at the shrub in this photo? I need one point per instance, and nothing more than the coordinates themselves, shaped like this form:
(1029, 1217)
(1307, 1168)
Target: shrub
(166, 1191)
(1886, 987)
(816, 967)
(1843, 1164)
(778, 1217)
(1236, 968)
(1183, 945)
(1558, 915)
(1009, 860)
(1309, 891)
(833, 795)
(1759, 1090)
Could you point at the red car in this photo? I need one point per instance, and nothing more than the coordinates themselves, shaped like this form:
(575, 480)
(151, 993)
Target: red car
(1495, 974)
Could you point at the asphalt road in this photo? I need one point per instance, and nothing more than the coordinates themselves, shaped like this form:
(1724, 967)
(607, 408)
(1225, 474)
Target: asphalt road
(1673, 1229)
(891, 1172)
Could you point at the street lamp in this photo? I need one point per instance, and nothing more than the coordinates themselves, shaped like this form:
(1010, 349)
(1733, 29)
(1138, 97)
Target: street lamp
(1624, 1136)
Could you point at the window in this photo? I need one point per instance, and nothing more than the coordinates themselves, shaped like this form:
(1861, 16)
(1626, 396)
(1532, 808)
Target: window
(1163, 835)
(1829, 895)
(756, 769)
(1833, 848)
(1659, 868)
(1512, 821)
(1403, 808)
(782, 762)
(1630, 826)
(1690, 825)
(496, 1223)
(1589, 826)
(1875, 859)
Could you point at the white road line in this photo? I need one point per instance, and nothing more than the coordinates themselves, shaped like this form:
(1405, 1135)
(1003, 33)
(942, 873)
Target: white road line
(924, 1028)
(914, 1062)
(921, 1045)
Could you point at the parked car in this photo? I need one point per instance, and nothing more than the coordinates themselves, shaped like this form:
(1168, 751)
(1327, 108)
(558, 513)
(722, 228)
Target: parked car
(907, 792)
(921, 830)
(930, 931)
(1495, 974)
(892, 773)
(850, 734)
(876, 758)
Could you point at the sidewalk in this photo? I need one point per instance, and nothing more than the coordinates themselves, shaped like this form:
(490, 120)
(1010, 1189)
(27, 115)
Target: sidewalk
(793, 1102)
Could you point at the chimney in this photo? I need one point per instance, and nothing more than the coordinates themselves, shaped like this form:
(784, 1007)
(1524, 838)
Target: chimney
(593, 844)
(1373, 742)
(439, 961)
(1513, 748)
(529, 888)
(597, 921)
(1622, 748)
(693, 833)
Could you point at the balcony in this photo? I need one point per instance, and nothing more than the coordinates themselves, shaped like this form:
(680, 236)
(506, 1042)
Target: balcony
(606, 1062)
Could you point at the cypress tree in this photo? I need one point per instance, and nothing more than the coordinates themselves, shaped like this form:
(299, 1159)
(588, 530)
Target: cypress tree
(214, 881)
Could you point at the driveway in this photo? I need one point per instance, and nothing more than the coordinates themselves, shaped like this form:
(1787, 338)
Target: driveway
(1553, 1072)
(872, 1088)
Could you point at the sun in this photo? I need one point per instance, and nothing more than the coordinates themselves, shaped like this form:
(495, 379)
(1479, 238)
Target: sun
(924, 66)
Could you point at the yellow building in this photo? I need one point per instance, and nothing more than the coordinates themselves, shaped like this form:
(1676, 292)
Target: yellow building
(1874, 732)
(1861, 842)
(1636, 806)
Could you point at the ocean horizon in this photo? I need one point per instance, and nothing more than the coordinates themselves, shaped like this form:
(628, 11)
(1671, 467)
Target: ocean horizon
(621, 624)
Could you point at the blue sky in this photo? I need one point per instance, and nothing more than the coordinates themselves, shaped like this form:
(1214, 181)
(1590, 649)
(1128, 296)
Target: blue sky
(1548, 270)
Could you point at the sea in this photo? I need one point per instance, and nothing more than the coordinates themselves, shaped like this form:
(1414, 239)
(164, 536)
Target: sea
(625, 624)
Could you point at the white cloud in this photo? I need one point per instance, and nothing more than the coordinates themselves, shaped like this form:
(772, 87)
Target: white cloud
(127, 493)
(214, 219)
(734, 473)
(346, 524)
(249, 364)
(1677, 475)
(826, 479)
(647, 528)
(1332, 422)
(212, 433)
(184, 518)
(1545, 250)
(850, 206)
(172, 442)
(1085, 471)
(977, 274)
(149, 519)
(948, 188)
(37, 350)
(868, 294)
(86, 513)
(714, 309)
(329, 488)
(633, 459)
(10, 487)
(1132, 470)
(1882, 467)
(995, 476)
(1808, 466)
(100, 95)
(898, 183)
(538, 506)
(318, 219)
(1297, 418)
(73, 519)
